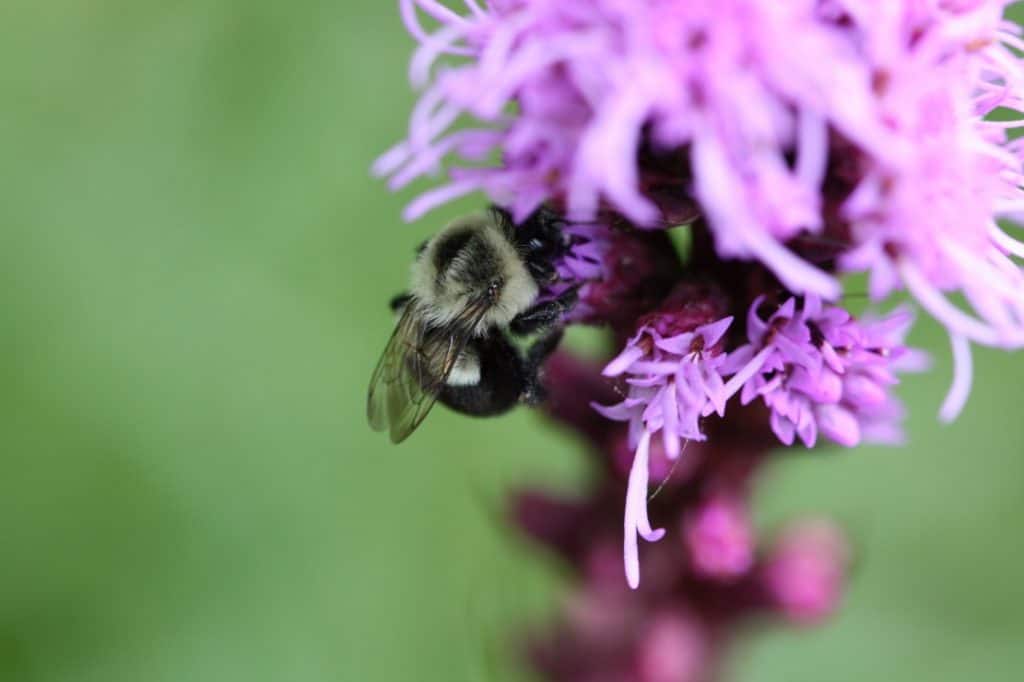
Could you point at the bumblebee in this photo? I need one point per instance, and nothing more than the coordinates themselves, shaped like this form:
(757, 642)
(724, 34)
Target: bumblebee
(474, 287)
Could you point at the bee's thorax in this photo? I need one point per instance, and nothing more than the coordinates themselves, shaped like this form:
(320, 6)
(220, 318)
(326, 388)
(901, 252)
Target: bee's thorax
(472, 263)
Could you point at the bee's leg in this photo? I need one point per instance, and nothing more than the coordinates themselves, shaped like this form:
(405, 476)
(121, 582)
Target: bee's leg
(398, 302)
(544, 314)
(542, 271)
(537, 354)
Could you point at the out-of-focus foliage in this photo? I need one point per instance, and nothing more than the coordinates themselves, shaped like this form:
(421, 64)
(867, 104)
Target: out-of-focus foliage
(194, 266)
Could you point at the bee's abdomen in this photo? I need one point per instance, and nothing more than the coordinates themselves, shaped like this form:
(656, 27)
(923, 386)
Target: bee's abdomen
(499, 385)
(466, 371)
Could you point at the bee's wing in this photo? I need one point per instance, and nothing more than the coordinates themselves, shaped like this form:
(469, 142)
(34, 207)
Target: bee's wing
(413, 369)
(397, 398)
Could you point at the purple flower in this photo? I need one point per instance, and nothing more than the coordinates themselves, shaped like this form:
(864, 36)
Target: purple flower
(821, 371)
(815, 367)
(797, 142)
(673, 382)
(769, 105)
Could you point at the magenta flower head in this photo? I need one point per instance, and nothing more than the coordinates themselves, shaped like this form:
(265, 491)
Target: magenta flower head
(816, 369)
(673, 371)
(820, 371)
(858, 124)
(788, 144)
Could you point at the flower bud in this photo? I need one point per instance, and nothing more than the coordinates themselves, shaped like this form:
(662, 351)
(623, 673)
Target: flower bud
(805, 574)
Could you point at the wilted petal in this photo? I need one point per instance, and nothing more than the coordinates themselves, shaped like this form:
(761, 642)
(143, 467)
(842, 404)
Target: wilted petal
(635, 520)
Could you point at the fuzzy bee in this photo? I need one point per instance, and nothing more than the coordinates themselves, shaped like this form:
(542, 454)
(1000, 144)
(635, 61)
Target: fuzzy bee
(473, 285)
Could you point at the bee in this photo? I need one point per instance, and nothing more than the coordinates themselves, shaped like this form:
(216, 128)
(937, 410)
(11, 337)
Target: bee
(474, 286)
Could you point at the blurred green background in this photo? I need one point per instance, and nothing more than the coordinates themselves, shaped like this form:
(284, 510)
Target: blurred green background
(193, 270)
